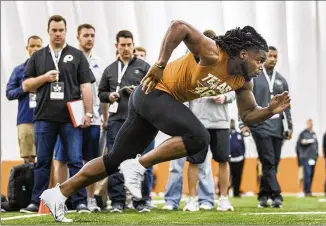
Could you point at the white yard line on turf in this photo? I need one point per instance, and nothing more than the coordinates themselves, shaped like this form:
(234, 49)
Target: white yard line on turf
(23, 216)
(30, 216)
(285, 213)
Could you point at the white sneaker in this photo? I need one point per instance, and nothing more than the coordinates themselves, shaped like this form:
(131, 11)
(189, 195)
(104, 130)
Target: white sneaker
(205, 206)
(300, 195)
(224, 204)
(133, 173)
(92, 205)
(192, 205)
(168, 207)
(55, 201)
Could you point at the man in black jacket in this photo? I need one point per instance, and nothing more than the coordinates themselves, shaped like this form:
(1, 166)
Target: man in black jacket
(270, 134)
(117, 83)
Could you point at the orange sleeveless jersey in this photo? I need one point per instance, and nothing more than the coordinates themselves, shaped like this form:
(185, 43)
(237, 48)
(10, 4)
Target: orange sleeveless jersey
(186, 80)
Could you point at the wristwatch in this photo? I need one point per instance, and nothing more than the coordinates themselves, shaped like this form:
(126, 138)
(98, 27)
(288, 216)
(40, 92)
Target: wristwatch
(159, 66)
(89, 115)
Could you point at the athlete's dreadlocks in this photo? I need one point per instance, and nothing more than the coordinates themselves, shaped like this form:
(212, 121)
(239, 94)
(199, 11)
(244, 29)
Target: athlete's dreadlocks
(237, 39)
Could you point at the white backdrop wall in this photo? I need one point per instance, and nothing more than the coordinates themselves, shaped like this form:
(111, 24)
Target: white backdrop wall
(297, 29)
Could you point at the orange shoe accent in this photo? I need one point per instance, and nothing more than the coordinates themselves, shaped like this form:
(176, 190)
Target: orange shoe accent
(43, 209)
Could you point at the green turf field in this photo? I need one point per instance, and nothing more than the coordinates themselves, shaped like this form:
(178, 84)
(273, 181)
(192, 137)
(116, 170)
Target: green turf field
(245, 210)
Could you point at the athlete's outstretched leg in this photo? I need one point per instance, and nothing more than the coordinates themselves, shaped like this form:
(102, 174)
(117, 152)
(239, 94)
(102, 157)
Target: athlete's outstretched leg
(133, 138)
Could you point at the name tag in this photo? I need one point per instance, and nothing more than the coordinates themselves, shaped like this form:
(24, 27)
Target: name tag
(114, 107)
(57, 91)
(275, 116)
(32, 100)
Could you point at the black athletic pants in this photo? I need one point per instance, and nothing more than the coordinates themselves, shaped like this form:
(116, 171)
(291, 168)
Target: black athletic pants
(147, 114)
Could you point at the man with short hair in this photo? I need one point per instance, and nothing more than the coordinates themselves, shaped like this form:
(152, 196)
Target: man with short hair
(59, 73)
(117, 83)
(26, 104)
(270, 134)
(91, 135)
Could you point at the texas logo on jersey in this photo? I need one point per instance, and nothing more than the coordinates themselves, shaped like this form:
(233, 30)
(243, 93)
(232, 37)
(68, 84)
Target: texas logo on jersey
(210, 86)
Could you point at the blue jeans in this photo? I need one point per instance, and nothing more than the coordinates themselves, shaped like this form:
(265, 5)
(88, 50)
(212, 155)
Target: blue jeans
(116, 188)
(90, 147)
(308, 172)
(46, 134)
(173, 191)
(91, 143)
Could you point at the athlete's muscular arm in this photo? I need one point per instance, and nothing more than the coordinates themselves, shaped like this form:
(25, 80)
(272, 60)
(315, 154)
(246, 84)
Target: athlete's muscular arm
(196, 42)
(201, 46)
(250, 113)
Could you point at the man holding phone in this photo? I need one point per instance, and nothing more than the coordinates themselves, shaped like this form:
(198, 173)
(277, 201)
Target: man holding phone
(118, 81)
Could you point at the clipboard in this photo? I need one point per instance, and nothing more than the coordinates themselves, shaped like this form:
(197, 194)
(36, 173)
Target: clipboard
(76, 111)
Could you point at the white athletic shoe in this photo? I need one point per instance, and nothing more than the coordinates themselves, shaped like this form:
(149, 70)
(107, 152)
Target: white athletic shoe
(224, 204)
(133, 173)
(168, 207)
(205, 206)
(300, 195)
(92, 205)
(55, 201)
(192, 205)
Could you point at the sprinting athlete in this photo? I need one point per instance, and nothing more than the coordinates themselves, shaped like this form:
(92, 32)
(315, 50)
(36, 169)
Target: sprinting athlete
(225, 63)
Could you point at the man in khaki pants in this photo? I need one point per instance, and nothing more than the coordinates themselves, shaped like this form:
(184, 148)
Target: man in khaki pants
(26, 103)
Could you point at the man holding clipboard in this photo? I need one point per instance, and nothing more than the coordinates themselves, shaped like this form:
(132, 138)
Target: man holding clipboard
(59, 73)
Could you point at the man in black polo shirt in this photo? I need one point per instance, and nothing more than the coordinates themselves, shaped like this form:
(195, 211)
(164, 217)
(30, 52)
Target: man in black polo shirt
(118, 81)
(59, 73)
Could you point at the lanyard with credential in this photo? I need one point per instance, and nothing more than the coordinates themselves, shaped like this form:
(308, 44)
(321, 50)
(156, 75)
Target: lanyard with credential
(121, 74)
(270, 81)
(56, 57)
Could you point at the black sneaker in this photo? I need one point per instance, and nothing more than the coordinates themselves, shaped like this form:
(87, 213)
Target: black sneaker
(117, 208)
(82, 208)
(277, 203)
(263, 202)
(31, 208)
(143, 208)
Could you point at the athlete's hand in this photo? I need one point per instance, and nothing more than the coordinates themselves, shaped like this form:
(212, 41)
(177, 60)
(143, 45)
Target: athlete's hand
(153, 76)
(279, 103)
